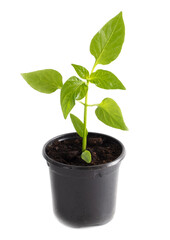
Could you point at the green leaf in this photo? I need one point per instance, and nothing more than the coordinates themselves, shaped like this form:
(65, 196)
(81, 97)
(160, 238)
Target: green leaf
(86, 156)
(78, 125)
(107, 43)
(109, 113)
(105, 79)
(73, 89)
(81, 71)
(45, 81)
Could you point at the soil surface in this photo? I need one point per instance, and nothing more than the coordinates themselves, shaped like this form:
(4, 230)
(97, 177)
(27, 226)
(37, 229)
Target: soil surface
(69, 151)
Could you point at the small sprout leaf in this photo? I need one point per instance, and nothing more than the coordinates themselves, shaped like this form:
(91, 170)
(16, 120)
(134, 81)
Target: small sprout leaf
(86, 156)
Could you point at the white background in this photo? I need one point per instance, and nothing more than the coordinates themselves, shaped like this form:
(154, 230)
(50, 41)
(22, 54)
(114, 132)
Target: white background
(53, 34)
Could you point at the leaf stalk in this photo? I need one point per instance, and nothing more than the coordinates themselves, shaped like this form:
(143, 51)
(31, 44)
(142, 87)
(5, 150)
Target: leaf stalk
(88, 105)
(93, 67)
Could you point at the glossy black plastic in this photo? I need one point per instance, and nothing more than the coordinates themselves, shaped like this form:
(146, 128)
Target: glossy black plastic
(84, 195)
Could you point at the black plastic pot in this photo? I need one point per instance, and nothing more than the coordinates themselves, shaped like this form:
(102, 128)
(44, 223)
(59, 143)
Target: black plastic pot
(84, 195)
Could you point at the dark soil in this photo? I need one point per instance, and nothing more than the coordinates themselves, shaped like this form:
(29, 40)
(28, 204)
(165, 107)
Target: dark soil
(69, 151)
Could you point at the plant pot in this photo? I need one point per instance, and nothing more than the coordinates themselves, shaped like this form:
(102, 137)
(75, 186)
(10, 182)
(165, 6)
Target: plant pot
(84, 195)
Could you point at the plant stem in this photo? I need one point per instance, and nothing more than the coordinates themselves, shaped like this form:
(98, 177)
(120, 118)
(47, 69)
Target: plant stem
(84, 144)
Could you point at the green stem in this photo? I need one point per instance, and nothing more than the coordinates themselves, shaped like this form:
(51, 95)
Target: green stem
(84, 144)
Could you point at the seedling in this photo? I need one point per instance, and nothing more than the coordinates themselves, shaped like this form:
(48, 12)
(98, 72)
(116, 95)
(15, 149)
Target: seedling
(105, 47)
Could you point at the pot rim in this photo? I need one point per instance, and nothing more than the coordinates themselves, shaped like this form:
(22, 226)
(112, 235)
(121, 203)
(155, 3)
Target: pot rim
(90, 167)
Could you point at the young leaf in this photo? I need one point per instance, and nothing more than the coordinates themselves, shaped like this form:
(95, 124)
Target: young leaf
(105, 79)
(109, 113)
(81, 71)
(86, 156)
(45, 81)
(72, 89)
(107, 43)
(78, 125)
